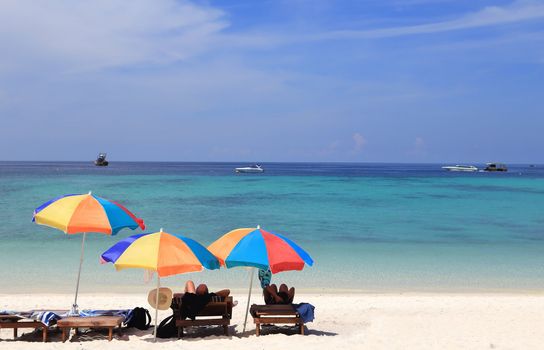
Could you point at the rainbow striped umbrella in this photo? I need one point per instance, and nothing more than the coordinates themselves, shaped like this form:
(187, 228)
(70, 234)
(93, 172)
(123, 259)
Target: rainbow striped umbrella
(82, 213)
(261, 249)
(161, 252)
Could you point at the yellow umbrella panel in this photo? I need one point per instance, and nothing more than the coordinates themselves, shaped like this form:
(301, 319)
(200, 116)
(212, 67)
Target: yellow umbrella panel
(162, 252)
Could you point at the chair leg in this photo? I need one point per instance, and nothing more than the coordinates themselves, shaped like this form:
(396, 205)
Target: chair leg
(257, 329)
(14, 332)
(63, 335)
(226, 329)
(302, 328)
(44, 334)
(110, 333)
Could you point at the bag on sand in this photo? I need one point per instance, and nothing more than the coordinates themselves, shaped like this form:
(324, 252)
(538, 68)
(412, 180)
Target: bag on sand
(139, 318)
(167, 328)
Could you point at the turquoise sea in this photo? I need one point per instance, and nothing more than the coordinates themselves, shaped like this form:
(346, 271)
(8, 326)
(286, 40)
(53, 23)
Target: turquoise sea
(369, 227)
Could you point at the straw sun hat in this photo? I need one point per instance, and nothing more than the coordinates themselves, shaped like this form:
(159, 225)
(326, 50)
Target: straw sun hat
(165, 298)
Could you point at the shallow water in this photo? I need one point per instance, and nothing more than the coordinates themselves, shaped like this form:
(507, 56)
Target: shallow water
(367, 226)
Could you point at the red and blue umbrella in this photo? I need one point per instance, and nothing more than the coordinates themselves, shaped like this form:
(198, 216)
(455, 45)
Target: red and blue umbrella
(262, 249)
(255, 247)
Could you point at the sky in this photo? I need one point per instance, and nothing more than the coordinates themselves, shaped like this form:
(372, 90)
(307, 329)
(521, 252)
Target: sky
(273, 80)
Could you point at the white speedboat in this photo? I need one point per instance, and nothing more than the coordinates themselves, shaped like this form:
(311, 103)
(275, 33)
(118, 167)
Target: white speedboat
(458, 167)
(250, 169)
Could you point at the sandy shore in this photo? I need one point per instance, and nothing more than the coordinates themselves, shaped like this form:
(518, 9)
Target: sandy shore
(348, 321)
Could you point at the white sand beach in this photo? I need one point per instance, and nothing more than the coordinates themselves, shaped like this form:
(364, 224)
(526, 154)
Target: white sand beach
(347, 321)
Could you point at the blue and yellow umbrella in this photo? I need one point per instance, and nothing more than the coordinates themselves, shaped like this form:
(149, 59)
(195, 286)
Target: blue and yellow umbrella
(161, 252)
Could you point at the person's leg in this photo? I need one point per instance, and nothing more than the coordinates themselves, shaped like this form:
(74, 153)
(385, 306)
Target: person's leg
(223, 293)
(271, 294)
(190, 287)
(283, 294)
(202, 289)
(291, 294)
(268, 299)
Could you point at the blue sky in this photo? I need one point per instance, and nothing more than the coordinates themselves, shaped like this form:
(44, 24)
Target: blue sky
(284, 80)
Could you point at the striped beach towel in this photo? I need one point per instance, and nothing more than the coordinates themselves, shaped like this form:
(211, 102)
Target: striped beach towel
(126, 313)
(48, 318)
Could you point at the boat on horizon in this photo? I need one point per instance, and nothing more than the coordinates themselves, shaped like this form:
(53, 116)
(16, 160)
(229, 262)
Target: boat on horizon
(255, 168)
(495, 167)
(466, 168)
(101, 160)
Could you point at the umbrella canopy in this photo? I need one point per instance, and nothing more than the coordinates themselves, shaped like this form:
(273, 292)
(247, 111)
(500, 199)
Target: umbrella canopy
(82, 213)
(162, 252)
(78, 213)
(261, 249)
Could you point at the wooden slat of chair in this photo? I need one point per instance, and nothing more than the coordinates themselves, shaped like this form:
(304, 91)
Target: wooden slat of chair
(275, 314)
(109, 322)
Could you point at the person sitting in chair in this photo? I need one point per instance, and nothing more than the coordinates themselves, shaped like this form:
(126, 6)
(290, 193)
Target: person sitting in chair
(270, 291)
(284, 295)
(202, 289)
(195, 299)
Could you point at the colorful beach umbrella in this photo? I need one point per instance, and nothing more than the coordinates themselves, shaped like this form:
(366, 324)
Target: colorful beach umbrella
(255, 247)
(161, 252)
(82, 213)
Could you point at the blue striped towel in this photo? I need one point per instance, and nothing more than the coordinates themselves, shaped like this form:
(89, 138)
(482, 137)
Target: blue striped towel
(51, 317)
(46, 317)
(126, 313)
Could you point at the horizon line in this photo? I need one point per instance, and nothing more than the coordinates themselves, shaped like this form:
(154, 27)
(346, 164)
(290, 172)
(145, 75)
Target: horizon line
(266, 162)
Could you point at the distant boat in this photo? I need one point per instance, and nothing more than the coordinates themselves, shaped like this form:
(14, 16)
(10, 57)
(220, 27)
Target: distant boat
(468, 168)
(495, 167)
(250, 169)
(101, 160)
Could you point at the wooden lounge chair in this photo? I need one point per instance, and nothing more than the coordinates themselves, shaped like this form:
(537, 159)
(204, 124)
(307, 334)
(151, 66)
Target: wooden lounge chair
(275, 314)
(16, 322)
(214, 313)
(109, 322)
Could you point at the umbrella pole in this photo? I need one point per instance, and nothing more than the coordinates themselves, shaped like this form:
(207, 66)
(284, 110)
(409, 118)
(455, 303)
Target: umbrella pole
(74, 310)
(248, 297)
(157, 305)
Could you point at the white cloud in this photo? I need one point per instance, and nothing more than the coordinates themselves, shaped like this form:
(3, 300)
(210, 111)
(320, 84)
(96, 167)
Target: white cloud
(489, 16)
(76, 36)
(358, 142)
(104, 33)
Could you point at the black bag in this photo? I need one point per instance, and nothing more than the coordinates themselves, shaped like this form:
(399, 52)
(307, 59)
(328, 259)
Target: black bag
(167, 328)
(140, 318)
